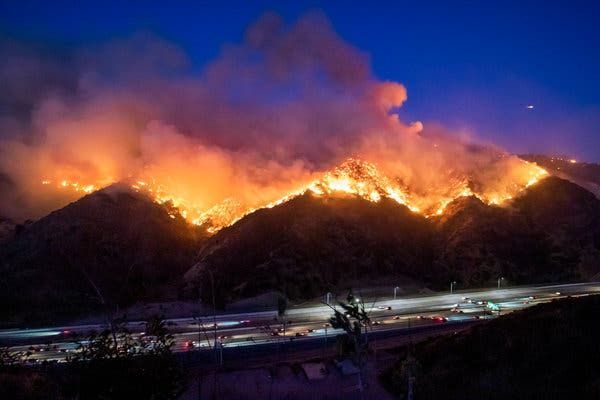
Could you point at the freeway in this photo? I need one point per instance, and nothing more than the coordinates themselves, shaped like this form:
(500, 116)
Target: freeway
(259, 330)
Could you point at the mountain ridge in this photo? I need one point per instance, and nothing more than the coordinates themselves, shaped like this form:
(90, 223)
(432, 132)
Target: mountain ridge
(111, 247)
(471, 242)
(123, 244)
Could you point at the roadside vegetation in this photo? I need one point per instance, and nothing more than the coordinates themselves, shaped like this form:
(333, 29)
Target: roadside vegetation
(550, 351)
(112, 364)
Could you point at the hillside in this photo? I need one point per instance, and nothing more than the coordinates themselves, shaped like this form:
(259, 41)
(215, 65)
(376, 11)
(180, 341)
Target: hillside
(114, 246)
(477, 243)
(550, 233)
(7, 228)
(549, 351)
(312, 244)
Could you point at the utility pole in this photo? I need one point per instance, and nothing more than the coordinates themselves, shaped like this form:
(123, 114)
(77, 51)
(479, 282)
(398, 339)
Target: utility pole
(410, 387)
(215, 348)
(410, 365)
(452, 284)
(220, 352)
(395, 290)
(200, 326)
(325, 344)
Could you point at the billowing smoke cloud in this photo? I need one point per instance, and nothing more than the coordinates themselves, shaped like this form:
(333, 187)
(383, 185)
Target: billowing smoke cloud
(262, 119)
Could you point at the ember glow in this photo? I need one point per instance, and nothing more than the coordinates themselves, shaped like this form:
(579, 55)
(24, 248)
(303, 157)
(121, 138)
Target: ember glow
(353, 177)
(75, 186)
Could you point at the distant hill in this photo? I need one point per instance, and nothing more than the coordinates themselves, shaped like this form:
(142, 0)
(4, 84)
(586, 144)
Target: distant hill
(114, 246)
(550, 351)
(584, 174)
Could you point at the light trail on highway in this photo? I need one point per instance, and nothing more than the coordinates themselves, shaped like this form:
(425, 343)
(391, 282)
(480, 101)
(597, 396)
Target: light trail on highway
(55, 344)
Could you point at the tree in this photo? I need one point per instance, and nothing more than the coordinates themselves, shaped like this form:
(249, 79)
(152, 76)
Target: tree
(9, 358)
(352, 319)
(163, 340)
(132, 367)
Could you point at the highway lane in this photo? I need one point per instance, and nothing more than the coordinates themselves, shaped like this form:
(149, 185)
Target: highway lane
(307, 323)
(269, 354)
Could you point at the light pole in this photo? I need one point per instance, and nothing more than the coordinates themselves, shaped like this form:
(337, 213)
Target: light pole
(220, 352)
(327, 297)
(452, 284)
(395, 290)
(500, 281)
(325, 346)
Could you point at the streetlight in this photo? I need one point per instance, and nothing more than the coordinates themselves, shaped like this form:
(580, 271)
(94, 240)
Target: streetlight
(325, 347)
(395, 290)
(221, 352)
(499, 281)
(452, 284)
(328, 297)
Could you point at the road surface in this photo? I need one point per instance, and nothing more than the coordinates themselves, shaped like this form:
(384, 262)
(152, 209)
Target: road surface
(260, 331)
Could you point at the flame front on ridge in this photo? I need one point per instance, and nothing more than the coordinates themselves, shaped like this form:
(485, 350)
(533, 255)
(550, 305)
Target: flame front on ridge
(353, 177)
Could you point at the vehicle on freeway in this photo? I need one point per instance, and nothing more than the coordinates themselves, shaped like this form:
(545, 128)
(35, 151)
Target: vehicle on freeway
(439, 318)
(384, 308)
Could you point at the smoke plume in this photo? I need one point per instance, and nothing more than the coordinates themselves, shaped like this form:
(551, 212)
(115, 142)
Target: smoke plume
(264, 118)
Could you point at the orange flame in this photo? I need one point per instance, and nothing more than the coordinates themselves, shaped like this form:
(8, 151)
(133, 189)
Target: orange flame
(72, 185)
(353, 177)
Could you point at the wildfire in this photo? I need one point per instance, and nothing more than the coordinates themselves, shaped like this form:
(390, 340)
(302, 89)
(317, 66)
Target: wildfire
(353, 177)
(362, 179)
(72, 185)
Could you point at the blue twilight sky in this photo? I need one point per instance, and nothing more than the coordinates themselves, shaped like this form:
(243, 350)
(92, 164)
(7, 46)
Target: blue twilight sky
(471, 66)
